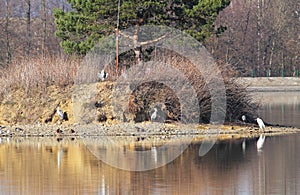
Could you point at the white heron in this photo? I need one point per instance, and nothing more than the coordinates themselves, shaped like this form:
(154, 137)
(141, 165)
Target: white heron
(154, 115)
(260, 123)
(60, 113)
(102, 75)
(244, 118)
(260, 142)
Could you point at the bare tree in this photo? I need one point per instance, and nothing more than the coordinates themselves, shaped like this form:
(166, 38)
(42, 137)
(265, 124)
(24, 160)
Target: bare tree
(44, 26)
(7, 33)
(262, 37)
(28, 23)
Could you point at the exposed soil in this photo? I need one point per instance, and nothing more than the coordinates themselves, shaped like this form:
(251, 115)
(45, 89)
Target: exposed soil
(34, 114)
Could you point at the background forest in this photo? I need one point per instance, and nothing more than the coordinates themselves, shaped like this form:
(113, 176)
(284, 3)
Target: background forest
(260, 38)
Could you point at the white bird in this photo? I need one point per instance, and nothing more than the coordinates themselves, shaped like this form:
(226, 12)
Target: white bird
(102, 75)
(154, 114)
(60, 113)
(244, 118)
(260, 142)
(260, 123)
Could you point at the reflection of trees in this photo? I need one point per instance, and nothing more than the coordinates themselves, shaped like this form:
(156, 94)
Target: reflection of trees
(31, 166)
(228, 152)
(36, 168)
(137, 153)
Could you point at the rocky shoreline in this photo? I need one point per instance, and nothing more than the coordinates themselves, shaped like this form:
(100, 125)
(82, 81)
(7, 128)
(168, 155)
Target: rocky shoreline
(141, 129)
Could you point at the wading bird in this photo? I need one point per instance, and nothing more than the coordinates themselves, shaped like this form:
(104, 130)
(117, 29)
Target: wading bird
(102, 75)
(58, 132)
(260, 123)
(244, 118)
(154, 115)
(60, 113)
(260, 142)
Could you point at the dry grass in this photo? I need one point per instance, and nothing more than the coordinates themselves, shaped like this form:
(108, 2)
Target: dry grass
(37, 74)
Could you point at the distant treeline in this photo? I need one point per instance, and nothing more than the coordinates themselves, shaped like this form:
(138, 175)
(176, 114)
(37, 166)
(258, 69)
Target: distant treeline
(260, 37)
(27, 29)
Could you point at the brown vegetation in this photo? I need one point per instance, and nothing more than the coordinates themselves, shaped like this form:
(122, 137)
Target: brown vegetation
(36, 74)
(32, 89)
(165, 91)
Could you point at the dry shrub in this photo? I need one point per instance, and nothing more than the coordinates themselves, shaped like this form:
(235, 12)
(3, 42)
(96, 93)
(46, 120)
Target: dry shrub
(151, 94)
(145, 96)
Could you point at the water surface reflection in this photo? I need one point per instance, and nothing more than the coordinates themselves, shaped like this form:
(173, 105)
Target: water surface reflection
(45, 166)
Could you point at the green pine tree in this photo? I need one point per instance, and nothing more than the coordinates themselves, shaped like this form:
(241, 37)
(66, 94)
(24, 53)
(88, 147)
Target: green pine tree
(90, 20)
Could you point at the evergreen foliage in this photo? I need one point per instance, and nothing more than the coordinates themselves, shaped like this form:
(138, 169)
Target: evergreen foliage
(90, 20)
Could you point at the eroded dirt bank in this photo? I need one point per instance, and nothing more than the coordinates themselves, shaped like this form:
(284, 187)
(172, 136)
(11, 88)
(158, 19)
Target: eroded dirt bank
(35, 114)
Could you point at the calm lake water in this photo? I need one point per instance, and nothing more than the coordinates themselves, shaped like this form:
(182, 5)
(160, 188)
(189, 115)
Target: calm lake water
(71, 166)
(280, 107)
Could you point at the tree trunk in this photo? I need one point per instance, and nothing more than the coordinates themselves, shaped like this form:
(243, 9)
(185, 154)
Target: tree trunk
(282, 64)
(271, 57)
(44, 27)
(8, 51)
(135, 43)
(258, 34)
(28, 34)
